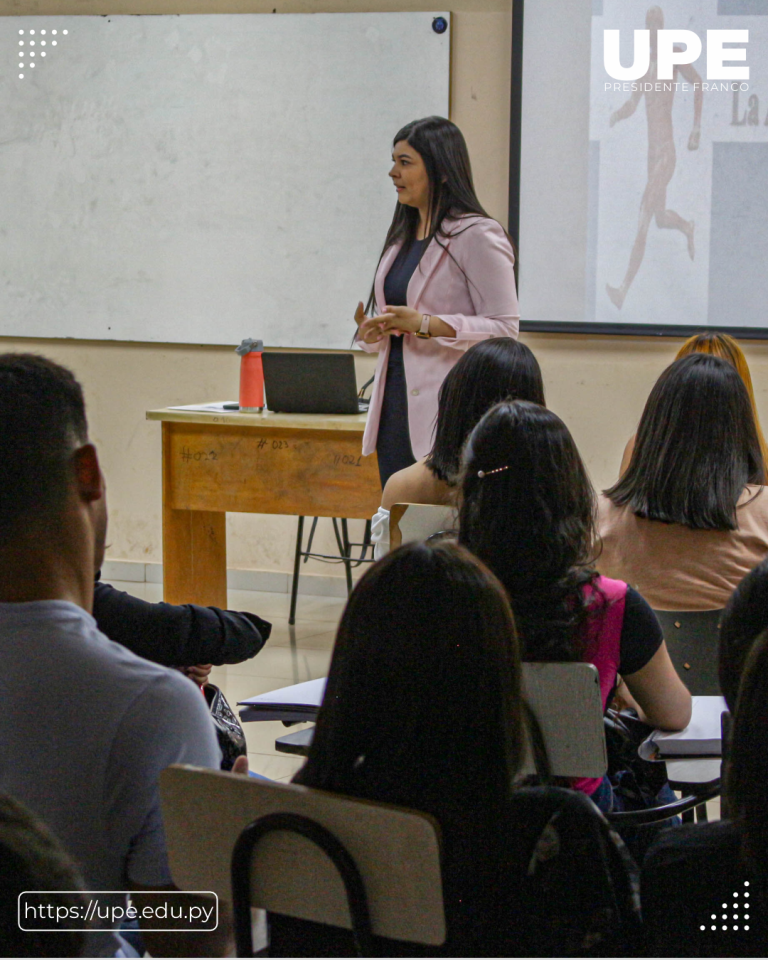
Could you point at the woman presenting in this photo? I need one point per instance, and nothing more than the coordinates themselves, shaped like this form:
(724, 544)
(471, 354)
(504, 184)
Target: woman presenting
(445, 280)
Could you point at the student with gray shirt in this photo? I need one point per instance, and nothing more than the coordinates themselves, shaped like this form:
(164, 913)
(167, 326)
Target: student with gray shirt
(86, 726)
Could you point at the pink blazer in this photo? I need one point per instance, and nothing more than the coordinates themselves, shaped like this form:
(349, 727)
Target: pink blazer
(479, 306)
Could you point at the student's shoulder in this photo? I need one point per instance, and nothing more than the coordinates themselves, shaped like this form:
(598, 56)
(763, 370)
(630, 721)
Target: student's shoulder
(137, 681)
(169, 702)
(753, 501)
(410, 485)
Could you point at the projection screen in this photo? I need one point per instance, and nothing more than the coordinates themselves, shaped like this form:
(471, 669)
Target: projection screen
(642, 206)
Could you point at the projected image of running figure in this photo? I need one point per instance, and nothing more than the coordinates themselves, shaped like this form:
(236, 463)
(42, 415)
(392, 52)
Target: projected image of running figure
(661, 154)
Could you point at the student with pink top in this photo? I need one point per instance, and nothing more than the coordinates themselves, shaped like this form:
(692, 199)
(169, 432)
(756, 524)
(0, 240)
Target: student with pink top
(445, 280)
(528, 512)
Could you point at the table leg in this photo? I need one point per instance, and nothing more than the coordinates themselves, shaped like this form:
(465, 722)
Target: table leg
(194, 557)
(296, 564)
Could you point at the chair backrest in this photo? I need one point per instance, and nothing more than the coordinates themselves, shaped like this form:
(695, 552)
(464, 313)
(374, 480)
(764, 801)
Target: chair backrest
(409, 522)
(396, 851)
(693, 641)
(565, 698)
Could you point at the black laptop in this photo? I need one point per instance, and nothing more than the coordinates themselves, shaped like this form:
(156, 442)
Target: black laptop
(311, 383)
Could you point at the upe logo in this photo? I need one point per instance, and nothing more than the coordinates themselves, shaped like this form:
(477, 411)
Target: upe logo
(673, 48)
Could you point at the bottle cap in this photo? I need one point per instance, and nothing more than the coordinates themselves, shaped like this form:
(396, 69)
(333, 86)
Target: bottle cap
(249, 346)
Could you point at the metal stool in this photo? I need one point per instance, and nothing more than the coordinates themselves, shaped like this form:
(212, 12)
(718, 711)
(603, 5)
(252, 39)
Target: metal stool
(344, 555)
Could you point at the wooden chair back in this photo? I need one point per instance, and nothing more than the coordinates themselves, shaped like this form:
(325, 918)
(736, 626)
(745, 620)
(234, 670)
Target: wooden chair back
(565, 698)
(396, 852)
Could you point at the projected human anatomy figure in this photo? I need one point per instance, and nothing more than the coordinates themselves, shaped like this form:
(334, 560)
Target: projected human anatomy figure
(661, 153)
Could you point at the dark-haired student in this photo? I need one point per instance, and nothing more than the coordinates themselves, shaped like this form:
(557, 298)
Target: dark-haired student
(528, 512)
(705, 886)
(423, 710)
(31, 858)
(445, 280)
(721, 345)
(689, 518)
(488, 372)
(86, 726)
(745, 616)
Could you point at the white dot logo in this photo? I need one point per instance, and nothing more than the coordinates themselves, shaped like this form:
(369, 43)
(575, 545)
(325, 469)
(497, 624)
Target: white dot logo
(736, 916)
(32, 43)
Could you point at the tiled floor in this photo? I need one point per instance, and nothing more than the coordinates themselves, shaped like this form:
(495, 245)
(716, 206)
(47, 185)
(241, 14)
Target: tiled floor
(291, 655)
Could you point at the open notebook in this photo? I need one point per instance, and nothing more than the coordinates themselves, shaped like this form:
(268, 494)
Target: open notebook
(295, 704)
(701, 738)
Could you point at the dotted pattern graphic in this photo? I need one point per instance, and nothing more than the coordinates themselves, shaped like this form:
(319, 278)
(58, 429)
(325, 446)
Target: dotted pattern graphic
(738, 915)
(36, 39)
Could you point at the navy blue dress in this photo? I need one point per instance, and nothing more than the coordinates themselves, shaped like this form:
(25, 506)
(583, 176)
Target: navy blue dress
(393, 445)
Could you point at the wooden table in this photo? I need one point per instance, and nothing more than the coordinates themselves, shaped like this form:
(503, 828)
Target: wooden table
(300, 464)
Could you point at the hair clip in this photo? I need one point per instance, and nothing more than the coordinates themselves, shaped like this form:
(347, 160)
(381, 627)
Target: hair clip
(487, 473)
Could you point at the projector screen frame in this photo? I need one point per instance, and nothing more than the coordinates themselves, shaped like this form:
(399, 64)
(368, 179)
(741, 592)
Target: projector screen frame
(515, 167)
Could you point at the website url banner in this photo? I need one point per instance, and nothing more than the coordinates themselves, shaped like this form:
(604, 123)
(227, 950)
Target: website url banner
(161, 911)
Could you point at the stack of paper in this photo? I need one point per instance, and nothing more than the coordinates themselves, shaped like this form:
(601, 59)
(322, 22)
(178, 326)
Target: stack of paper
(295, 704)
(701, 738)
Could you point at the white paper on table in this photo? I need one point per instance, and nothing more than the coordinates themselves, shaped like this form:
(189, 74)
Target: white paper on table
(215, 407)
(702, 736)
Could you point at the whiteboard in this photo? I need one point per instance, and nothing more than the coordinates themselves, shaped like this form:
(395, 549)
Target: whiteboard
(201, 179)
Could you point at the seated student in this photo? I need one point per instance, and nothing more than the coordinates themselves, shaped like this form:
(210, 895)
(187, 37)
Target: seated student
(31, 858)
(705, 886)
(86, 727)
(745, 616)
(185, 635)
(689, 518)
(490, 371)
(717, 345)
(423, 709)
(528, 512)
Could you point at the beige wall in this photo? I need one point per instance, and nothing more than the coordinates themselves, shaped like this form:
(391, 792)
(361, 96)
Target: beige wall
(598, 384)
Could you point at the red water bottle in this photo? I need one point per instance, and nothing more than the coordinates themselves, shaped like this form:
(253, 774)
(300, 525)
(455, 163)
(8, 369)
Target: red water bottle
(251, 376)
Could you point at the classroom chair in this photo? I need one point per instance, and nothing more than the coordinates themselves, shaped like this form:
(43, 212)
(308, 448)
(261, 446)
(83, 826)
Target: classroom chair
(409, 522)
(371, 869)
(566, 737)
(693, 641)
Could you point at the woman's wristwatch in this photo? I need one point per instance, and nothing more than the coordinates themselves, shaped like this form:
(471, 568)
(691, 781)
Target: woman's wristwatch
(423, 330)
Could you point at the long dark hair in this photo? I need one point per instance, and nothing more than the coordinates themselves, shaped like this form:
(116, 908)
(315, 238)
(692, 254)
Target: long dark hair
(696, 449)
(747, 768)
(533, 523)
(423, 704)
(745, 616)
(722, 345)
(490, 371)
(442, 147)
